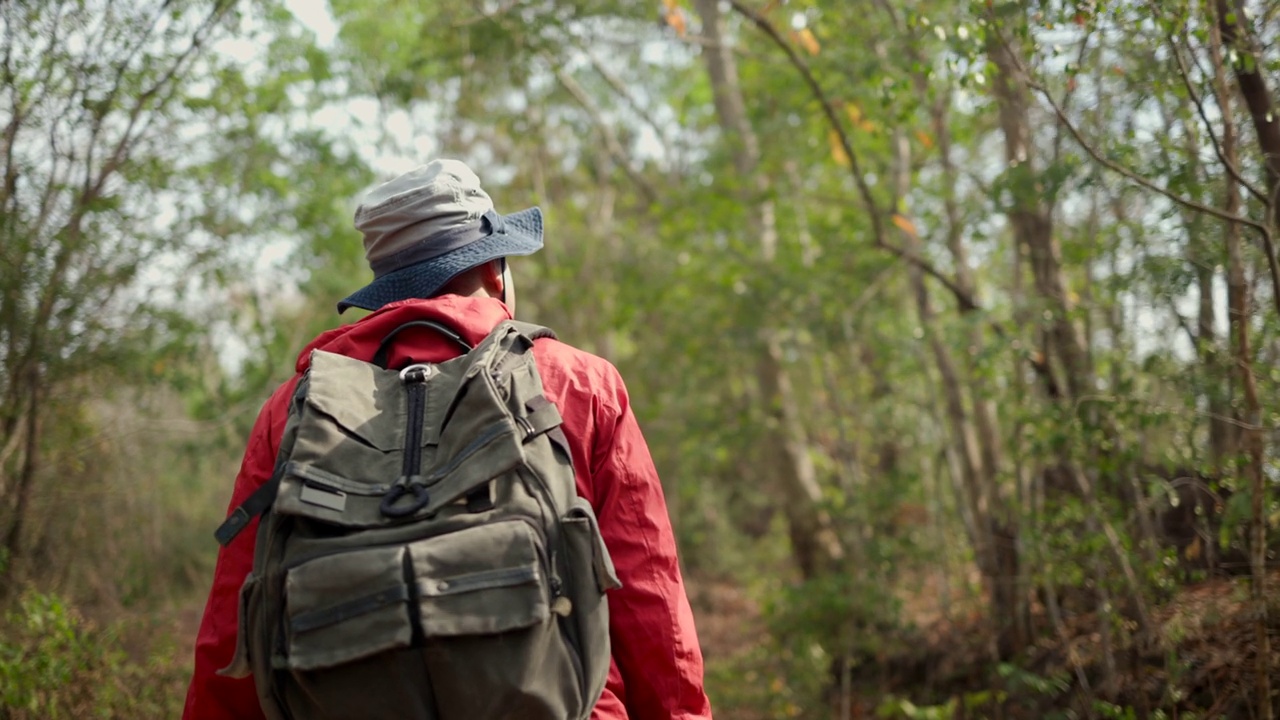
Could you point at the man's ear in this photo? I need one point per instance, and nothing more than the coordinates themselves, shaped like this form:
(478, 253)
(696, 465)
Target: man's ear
(491, 276)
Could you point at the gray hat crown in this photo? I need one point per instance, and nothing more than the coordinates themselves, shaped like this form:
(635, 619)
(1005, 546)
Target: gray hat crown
(429, 224)
(427, 202)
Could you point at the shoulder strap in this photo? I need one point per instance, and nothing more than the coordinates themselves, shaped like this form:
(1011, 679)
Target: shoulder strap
(530, 330)
(265, 495)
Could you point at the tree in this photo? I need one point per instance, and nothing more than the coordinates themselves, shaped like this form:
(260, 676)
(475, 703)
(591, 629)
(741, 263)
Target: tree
(139, 158)
(94, 106)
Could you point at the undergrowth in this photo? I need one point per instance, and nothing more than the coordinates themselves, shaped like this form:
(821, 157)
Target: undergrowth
(55, 663)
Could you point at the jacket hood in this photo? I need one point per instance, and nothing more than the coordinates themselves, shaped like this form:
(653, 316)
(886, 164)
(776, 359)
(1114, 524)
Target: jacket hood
(471, 317)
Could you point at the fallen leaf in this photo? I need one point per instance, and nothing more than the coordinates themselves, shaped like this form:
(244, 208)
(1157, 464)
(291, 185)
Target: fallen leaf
(1193, 550)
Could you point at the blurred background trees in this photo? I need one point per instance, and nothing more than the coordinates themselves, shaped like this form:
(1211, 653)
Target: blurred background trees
(954, 328)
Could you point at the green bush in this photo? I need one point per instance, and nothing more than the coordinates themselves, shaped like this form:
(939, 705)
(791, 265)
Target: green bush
(56, 664)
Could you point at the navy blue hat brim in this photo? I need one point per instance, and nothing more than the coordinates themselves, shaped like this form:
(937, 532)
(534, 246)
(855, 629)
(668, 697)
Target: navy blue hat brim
(520, 234)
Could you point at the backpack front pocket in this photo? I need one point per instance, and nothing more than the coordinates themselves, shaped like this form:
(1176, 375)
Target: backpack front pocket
(492, 645)
(482, 580)
(454, 627)
(348, 606)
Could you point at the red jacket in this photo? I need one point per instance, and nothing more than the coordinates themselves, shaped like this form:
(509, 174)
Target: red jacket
(657, 663)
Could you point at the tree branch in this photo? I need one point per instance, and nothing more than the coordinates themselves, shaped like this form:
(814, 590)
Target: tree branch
(1117, 168)
(965, 300)
(1257, 97)
(621, 89)
(1185, 74)
(611, 142)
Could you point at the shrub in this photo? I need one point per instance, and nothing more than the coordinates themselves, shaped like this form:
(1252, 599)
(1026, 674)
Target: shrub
(56, 664)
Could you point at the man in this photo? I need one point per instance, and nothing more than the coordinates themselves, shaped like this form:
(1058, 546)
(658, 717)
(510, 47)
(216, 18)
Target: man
(438, 252)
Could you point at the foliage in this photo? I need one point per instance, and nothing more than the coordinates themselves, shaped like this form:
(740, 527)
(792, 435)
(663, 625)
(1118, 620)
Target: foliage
(55, 664)
(980, 293)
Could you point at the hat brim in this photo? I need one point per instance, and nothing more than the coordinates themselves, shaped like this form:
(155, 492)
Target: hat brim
(520, 234)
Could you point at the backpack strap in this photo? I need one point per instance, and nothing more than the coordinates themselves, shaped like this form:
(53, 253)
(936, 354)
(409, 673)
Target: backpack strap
(530, 330)
(543, 418)
(255, 505)
(383, 353)
(264, 496)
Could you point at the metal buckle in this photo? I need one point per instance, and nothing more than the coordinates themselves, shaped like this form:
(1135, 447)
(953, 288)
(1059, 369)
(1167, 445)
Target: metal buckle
(423, 367)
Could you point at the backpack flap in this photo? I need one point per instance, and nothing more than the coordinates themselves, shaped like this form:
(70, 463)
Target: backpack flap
(351, 442)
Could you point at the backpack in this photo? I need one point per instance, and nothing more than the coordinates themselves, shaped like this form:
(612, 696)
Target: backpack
(423, 553)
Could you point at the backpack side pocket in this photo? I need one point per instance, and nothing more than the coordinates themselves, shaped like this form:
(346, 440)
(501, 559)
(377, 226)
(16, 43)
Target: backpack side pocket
(591, 574)
(239, 666)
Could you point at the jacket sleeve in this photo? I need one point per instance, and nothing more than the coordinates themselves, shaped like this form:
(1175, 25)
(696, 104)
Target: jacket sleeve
(210, 696)
(655, 645)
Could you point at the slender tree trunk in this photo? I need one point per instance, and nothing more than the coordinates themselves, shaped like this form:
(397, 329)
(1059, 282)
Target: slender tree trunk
(984, 410)
(1257, 97)
(790, 467)
(993, 542)
(1265, 116)
(1032, 221)
(1221, 430)
(22, 490)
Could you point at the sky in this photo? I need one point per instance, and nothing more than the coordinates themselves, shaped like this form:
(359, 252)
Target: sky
(316, 16)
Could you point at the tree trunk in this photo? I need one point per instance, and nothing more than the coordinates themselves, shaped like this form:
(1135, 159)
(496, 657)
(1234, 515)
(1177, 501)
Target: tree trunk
(992, 540)
(11, 551)
(1032, 221)
(1265, 116)
(1221, 429)
(1256, 96)
(792, 476)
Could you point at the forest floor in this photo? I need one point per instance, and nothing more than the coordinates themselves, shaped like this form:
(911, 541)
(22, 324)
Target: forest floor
(1199, 662)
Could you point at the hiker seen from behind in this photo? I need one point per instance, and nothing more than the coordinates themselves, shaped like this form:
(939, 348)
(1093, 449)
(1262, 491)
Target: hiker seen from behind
(446, 514)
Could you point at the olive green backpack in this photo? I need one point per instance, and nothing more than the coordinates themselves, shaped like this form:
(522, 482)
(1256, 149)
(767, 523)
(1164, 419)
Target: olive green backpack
(423, 553)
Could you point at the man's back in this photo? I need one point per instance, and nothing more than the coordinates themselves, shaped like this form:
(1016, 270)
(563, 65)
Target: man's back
(657, 669)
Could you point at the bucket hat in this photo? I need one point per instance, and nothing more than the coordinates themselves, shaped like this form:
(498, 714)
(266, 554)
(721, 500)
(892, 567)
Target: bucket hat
(430, 224)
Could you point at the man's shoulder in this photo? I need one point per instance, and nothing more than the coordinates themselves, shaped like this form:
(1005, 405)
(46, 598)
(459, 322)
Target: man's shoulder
(560, 363)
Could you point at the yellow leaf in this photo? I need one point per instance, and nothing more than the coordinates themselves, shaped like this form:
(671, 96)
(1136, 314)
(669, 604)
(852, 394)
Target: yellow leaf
(804, 37)
(924, 139)
(673, 16)
(676, 21)
(905, 225)
(837, 149)
(855, 116)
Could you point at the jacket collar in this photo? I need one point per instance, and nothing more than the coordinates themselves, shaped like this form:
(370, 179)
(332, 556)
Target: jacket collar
(471, 317)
